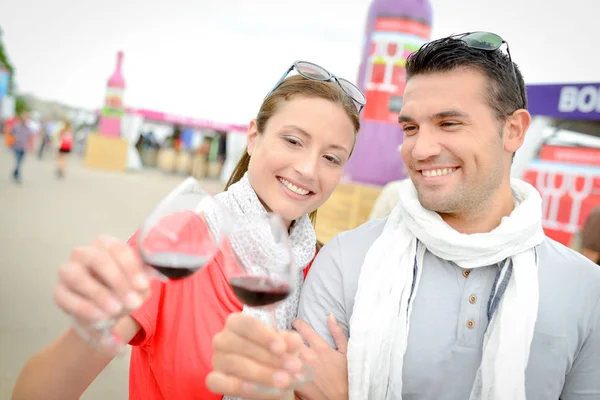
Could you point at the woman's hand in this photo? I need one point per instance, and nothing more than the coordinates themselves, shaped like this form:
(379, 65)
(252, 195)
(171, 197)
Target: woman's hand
(330, 366)
(101, 281)
(248, 353)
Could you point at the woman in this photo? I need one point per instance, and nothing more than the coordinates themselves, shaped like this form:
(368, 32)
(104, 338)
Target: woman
(65, 144)
(297, 146)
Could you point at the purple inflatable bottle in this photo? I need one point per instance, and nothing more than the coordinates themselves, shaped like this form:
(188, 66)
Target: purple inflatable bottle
(395, 28)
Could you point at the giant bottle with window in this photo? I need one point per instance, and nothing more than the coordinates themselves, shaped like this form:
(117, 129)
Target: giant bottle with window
(113, 110)
(395, 28)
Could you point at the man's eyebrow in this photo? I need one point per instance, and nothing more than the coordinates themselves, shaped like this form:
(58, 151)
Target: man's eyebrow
(436, 116)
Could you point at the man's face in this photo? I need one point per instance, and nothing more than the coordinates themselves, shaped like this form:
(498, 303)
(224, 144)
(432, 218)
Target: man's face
(454, 146)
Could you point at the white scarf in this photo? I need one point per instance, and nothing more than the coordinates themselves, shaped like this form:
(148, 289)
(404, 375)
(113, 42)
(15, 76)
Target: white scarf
(241, 200)
(377, 345)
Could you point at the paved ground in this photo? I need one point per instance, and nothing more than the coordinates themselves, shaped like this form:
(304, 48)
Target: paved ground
(40, 221)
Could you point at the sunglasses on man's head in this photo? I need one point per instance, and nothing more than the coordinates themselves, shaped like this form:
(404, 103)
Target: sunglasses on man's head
(486, 41)
(315, 72)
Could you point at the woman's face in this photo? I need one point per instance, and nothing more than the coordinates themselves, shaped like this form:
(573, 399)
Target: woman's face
(297, 162)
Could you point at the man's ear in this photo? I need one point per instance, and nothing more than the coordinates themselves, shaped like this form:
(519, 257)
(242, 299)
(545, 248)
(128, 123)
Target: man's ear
(515, 130)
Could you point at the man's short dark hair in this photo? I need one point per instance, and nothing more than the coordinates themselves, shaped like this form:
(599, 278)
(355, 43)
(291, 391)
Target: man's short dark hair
(506, 93)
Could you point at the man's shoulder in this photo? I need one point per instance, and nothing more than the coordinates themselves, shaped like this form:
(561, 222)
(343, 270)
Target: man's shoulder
(552, 252)
(350, 247)
(567, 267)
(364, 235)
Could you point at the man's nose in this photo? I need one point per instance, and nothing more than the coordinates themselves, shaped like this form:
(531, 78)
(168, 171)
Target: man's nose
(425, 146)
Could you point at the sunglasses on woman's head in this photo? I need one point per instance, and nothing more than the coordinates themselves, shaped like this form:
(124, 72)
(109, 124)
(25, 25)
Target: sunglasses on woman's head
(315, 72)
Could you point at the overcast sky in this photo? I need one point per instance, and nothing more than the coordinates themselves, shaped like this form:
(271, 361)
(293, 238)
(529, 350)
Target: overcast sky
(217, 59)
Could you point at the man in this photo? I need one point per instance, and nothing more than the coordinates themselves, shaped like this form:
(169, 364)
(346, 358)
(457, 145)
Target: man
(458, 294)
(22, 134)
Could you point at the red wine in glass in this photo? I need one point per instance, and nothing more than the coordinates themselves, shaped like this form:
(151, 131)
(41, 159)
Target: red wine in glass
(258, 291)
(263, 273)
(175, 265)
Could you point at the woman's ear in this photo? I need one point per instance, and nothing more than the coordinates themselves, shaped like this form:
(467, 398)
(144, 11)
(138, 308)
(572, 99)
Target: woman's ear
(252, 135)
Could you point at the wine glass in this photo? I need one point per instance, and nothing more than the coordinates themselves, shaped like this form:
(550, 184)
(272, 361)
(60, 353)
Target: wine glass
(176, 241)
(264, 273)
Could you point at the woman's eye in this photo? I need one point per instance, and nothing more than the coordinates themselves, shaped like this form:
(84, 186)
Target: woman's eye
(333, 160)
(292, 141)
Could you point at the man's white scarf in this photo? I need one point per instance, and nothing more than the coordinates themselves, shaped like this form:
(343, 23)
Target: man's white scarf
(378, 338)
(256, 248)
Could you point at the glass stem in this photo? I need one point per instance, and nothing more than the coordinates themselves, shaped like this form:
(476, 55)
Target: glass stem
(288, 394)
(272, 317)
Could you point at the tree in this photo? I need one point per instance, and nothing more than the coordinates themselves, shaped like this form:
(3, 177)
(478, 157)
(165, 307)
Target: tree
(5, 62)
(21, 104)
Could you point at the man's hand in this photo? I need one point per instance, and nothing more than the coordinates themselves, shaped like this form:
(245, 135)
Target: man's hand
(329, 365)
(249, 353)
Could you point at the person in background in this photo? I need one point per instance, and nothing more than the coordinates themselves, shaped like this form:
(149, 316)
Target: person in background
(387, 200)
(44, 136)
(65, 144)
(222, 150)
(22, 135)
(176, 139)
(590, 236)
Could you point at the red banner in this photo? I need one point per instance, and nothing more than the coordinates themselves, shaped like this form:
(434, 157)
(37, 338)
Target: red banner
(571, 155)
(404, 25)
(569, 192)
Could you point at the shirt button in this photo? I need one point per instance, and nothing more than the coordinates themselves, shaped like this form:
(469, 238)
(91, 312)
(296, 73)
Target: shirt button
(472, 299)
(470, 324)
(466, 273)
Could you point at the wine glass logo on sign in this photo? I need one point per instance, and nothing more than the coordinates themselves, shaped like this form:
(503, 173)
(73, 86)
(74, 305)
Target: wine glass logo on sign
(392, 41)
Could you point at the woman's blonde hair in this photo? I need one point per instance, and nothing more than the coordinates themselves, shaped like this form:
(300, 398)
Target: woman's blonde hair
(289, 88)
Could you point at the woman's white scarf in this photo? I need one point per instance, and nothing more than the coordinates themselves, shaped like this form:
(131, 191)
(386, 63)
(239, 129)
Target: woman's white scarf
(257, 249)
(378, 339)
